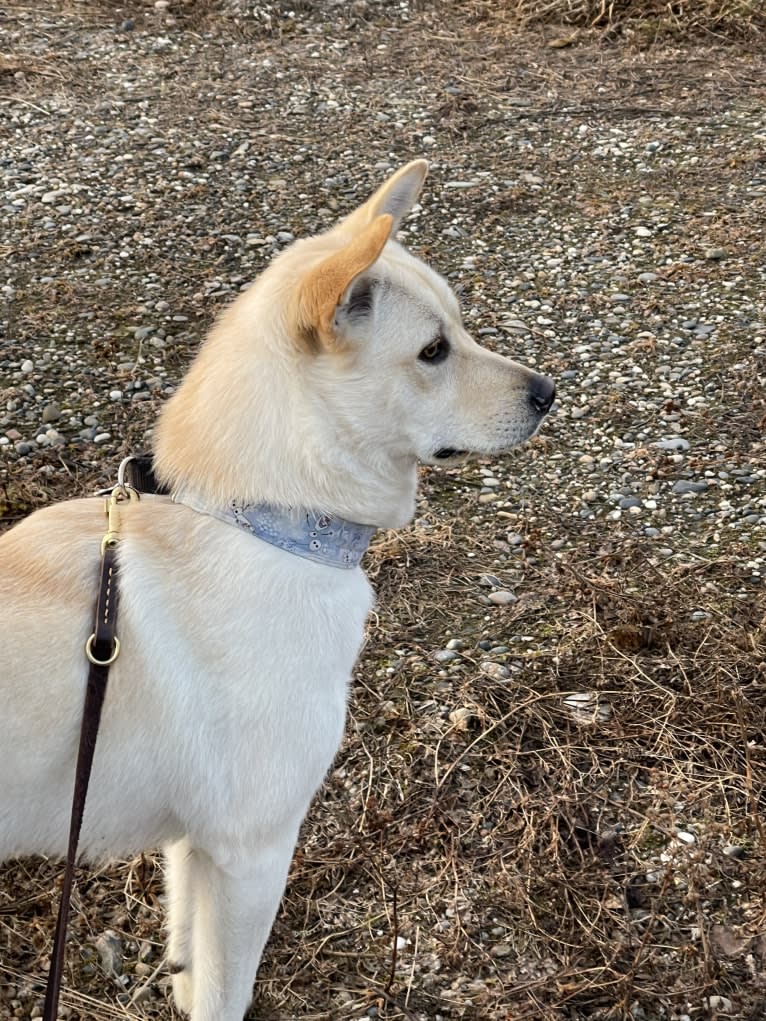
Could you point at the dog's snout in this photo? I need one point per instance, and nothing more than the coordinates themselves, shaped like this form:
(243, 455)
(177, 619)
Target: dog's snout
(542, 392)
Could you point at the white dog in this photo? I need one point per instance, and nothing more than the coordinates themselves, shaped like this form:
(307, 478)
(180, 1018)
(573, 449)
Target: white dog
(296, 432)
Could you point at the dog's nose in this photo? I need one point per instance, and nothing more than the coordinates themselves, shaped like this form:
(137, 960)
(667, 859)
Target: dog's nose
(542, 392)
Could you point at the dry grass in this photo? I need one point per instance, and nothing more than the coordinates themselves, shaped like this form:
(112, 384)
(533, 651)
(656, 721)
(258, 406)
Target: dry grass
(733, 18)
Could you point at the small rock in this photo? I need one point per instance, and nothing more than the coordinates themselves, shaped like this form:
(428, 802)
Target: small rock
(27, 366)
(715, 254)
(684, 486)
(720, 1003)
(502, 597)
(674, 443)
(102, 437)
(735, 851)
(51, 413)
(489, 581)
(109, 947)
(500, 950)
(461, 718)
(445, 655)
(496, 671)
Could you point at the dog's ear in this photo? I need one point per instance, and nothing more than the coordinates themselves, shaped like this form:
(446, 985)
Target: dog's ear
(331, 284)
(395, 198)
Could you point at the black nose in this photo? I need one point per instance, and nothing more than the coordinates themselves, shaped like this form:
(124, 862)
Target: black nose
(542, 392)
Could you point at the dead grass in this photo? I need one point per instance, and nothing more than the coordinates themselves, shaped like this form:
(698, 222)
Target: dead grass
(735, 18)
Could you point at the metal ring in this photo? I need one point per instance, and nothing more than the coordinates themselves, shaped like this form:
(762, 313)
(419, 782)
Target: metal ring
(101, 662)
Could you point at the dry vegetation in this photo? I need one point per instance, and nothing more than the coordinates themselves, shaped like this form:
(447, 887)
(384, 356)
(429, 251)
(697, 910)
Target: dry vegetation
(683, 18)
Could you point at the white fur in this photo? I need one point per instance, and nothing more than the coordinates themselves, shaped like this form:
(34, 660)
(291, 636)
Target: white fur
(227, 702)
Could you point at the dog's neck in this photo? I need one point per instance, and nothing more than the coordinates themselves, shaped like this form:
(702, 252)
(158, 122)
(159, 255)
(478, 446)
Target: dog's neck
(252, 429)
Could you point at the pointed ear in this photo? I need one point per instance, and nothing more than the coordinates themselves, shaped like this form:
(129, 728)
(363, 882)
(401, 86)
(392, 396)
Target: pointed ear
(323, 289)
(396, 198)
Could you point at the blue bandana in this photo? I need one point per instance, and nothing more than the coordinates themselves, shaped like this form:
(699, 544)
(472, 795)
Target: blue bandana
(323, 538)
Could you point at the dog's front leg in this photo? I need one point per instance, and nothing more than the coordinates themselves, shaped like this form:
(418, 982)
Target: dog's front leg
(180, 899)
(234, 909)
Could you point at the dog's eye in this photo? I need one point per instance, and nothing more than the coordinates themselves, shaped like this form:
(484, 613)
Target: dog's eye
(436, 351)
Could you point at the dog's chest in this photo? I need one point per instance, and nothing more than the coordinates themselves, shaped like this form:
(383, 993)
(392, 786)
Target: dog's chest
(247, 678)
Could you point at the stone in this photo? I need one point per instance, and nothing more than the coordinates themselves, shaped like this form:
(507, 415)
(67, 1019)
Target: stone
(674, 443)
(445, 655)
(684, 486)
(501, 598)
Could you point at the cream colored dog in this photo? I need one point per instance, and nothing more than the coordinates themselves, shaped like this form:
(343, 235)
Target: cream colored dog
(314, 397)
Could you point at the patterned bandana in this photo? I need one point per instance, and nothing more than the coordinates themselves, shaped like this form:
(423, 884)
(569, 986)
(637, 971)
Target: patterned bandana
(319, 537)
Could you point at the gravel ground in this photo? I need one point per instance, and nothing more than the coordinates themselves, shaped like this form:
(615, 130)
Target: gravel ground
(550, 803)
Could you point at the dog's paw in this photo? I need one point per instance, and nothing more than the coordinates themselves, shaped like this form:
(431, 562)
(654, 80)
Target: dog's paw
(182, 988)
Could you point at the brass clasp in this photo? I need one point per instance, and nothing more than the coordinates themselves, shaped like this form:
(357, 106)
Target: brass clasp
(120, 494)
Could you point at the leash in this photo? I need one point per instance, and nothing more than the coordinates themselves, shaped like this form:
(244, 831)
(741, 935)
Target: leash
(102, 648)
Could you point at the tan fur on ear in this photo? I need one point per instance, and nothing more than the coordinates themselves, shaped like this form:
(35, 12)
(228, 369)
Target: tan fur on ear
(322, 290)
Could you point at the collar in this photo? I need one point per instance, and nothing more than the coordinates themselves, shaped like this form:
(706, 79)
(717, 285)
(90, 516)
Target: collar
(323, 538)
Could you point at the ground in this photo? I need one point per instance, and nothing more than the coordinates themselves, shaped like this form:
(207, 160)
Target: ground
(550, 802)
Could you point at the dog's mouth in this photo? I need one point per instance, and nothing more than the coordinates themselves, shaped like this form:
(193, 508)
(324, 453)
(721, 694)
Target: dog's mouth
(446, 452)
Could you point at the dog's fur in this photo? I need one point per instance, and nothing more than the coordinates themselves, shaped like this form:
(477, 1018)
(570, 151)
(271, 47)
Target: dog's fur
(227, 702)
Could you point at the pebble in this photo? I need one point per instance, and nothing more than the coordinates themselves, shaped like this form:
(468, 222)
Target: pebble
(109, 947)
(445, 655)
(494, 670)
(27, 366)
(684, 486)
(674, 443)
(51, 413)
(502, 597)
(720, 1003)
(735, 851)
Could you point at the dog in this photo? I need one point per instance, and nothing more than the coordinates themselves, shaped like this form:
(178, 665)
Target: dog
(295, 434)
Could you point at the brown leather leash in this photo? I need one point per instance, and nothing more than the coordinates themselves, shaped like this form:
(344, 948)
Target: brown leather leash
(102, 649)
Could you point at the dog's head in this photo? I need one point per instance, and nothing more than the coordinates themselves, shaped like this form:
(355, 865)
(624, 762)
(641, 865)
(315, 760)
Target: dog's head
(345, 364)
(392, 327)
